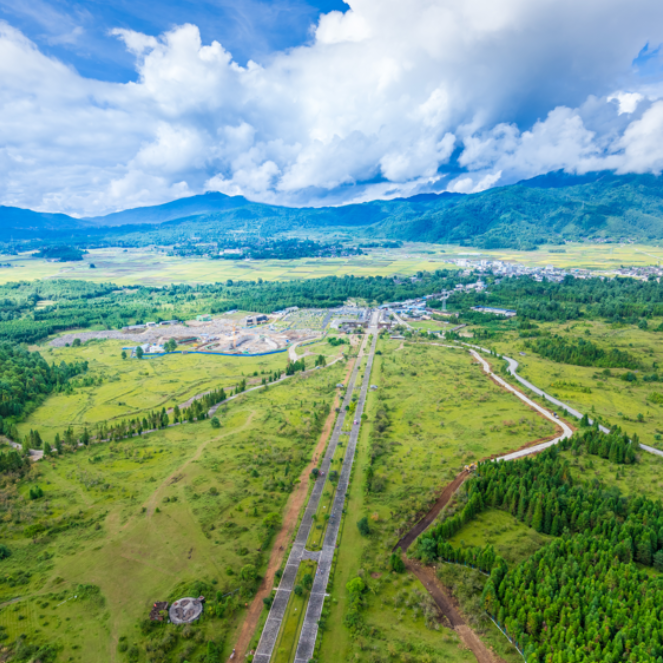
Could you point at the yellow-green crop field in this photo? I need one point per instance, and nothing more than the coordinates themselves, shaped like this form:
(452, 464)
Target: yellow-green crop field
(182, 511)
(140, 266)
(150, 267)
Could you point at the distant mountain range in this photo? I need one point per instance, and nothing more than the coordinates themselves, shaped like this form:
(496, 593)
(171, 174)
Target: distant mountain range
(549, 208)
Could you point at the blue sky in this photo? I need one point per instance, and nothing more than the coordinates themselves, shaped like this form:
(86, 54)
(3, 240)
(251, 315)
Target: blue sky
(111, 105)
(78, 33)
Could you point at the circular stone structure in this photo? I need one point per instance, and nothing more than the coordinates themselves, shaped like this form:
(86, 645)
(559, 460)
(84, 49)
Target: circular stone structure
(186, 610)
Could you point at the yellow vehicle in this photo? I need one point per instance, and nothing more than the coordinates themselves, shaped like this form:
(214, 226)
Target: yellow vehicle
(471, 467)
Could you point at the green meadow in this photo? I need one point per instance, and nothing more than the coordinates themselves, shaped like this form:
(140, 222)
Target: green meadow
(186, 510)
(433, 412)
(643, 478)
(114, 388)
(636, 406)
(511, 539)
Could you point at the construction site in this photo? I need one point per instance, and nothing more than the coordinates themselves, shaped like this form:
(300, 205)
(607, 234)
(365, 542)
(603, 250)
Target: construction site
(248, 334)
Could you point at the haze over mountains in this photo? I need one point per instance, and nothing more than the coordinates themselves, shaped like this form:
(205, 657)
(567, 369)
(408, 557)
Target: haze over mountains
(549, 208)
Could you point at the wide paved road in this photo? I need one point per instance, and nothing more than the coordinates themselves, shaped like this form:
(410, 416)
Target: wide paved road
(325, 556)
(309, 631)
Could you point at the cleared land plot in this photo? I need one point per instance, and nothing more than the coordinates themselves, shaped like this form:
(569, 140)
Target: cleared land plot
(430, 325)
(511, 539)
(151, 518)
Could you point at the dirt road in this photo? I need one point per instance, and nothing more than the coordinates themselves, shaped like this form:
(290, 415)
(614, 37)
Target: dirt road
(440, 503)
(426, 574)
(450, 611)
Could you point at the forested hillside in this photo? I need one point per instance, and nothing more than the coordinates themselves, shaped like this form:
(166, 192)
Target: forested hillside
(546, 209)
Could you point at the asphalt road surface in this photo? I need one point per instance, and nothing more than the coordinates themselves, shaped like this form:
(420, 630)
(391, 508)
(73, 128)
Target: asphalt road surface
(274, 621)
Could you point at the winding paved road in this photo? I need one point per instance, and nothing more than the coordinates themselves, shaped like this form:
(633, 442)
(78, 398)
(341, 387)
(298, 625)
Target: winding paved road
(512, 368)
(567, 431)
(298, 552)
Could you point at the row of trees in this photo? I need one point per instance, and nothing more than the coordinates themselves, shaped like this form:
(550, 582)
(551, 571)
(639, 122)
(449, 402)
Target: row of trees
(581, 352)
(615, 446)
(581, 597)
(82, 305)
(295, 366)
(127, 428)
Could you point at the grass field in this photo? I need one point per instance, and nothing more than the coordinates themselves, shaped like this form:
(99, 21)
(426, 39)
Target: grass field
(143, 266)
(443, 413)
(119, 389)
(511, 539)
(644, 478)
(429, 325)
(183, 510)
(590, 389)
(286, 644)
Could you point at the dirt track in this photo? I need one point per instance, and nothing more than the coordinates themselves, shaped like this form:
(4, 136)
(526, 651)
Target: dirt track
(449, 609)
(432, 514)
(426, 575)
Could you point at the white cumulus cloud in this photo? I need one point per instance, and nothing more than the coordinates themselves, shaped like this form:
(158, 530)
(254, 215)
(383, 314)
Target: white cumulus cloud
(386, 99)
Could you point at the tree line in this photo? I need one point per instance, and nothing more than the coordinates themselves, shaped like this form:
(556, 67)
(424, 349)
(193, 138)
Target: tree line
(616, 300)
(581, 597)
(581, 352)
(36, 310)
(25, 379)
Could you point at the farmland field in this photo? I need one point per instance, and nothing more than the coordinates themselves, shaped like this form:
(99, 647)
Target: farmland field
(142, 266)
(139, 266)
(182, 511)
